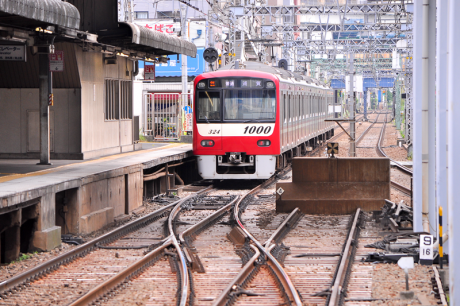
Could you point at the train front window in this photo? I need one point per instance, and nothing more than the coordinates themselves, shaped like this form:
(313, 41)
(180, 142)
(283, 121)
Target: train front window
(249, 104)
(208, 106)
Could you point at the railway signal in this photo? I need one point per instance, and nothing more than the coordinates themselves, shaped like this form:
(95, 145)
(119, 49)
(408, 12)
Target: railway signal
(332, 148)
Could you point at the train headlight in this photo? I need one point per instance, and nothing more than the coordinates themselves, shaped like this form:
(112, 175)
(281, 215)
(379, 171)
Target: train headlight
(201, 85)
(263, 143)
(207, 143)
(270, 85)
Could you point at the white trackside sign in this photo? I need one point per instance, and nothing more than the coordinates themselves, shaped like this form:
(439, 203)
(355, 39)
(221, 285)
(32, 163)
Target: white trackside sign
(426, 247)
(236, 129)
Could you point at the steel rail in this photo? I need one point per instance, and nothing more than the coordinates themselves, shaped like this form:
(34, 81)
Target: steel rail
(287, 224)
(247, 270)
(341, 133)
(317, 149)
(244, 273)
(207, 221)
(381, 153)
(277, 268)
(117, 281)
(365, 132)
(114, 282)
(344, 261)
(16, 282)
(183, 269)
(401, 188)
(226, 294)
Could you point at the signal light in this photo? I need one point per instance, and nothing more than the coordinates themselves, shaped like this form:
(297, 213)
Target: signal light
(207, 143)
(263, 143)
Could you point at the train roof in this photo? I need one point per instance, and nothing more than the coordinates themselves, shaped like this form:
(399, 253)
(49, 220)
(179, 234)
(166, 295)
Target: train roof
(280, 72)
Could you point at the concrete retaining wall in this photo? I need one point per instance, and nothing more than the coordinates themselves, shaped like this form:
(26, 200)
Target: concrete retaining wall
(335, 185)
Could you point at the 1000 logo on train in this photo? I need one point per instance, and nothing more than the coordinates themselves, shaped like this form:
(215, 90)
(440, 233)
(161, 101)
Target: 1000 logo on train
(258, 130)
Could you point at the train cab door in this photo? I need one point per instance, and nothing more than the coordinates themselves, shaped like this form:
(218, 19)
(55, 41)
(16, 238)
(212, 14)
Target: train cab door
(283, 120)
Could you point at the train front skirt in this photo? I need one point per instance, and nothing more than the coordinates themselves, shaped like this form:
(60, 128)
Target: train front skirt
(264, 168)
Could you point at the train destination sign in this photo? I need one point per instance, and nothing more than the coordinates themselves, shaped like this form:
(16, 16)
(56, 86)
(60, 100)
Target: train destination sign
(15, 53)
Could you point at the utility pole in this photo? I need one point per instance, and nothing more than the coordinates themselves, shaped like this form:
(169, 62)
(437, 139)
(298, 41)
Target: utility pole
(183, 11)
(46, 99)
(351, 105)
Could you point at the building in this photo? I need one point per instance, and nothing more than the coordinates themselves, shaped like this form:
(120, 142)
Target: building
(66, 92)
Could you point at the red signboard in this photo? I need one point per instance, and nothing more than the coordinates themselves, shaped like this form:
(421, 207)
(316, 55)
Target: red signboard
(149, 72)
(57, 61)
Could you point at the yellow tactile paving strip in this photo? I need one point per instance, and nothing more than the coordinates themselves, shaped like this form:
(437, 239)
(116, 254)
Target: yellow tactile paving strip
(105, 158)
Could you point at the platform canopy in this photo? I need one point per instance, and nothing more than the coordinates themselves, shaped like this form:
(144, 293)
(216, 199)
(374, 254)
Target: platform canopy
(138, 38)
(39, 13)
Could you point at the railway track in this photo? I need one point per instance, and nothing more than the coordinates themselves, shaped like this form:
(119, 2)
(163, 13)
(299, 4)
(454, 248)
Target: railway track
(271, 266)
(381, 152)
(71, 275)
(318, 149)
(104, 293)
(192, 262)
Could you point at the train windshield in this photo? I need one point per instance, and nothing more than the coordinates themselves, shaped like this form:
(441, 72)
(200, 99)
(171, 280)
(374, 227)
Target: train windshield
(245, 105)
(209, 105)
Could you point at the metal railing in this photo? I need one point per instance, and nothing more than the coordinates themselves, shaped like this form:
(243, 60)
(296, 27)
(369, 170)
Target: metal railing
(167, 116)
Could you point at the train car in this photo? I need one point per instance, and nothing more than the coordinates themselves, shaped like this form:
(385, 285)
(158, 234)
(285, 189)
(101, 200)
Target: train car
(250, 121)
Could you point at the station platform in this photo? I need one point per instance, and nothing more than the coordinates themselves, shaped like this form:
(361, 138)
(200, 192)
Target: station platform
(76, 196)
(10, 167)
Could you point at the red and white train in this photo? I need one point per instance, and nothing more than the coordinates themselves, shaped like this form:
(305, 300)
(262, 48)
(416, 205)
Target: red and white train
(250, 121)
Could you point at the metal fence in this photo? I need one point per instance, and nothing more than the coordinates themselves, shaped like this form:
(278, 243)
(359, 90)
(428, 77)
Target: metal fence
(167, 116)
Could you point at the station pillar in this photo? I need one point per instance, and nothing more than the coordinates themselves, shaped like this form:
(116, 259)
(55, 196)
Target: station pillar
(48, 235)
(397, 105)
(45, 94)
(365, 103)
(453, 141)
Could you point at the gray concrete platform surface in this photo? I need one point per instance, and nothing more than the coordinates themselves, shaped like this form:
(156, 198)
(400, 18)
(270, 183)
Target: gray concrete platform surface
(22, 166)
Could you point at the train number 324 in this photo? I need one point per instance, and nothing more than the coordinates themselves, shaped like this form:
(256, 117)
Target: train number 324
(257, 129)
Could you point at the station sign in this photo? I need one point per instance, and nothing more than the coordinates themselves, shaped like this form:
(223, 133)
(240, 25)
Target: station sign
(57, 61)
(149, 72)
(16, 53)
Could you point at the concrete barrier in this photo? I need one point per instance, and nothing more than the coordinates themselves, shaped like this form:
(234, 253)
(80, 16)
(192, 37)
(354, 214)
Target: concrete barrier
(335, 185)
